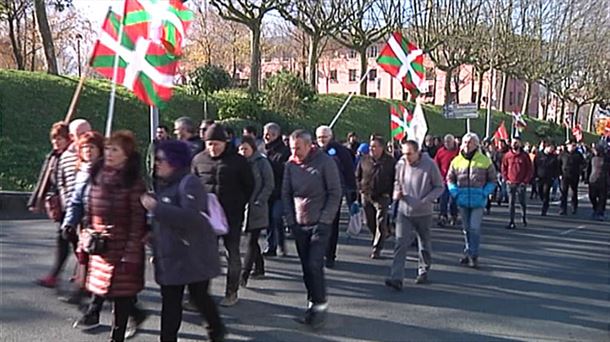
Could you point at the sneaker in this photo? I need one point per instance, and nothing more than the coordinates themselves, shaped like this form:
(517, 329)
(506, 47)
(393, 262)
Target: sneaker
(229, 300)
(464, 260)
(394, 283)
(375, 255)
(135, 322)
(48, 282)
(421, 278)
(89, 321)
(454, 221)
(473, 262)
(562, 212)
(269, 253)
(316, 318)
(511, 226)
(442, 221)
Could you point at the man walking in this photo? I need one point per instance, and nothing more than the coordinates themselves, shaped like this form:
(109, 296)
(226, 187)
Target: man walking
(311, 193)
(571, 163)
(471, 179)
(277, 154)
(517, 170)
(228, 175)
(184, 129)
(345, 165)
(375, 178)
(546, 170)
(598, 177)
(443, 158)
(418, 183)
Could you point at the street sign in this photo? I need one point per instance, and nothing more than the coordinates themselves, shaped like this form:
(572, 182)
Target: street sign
(461, 111)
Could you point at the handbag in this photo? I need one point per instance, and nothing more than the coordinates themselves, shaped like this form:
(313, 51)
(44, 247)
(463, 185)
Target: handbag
(52, 205)
(95, 243)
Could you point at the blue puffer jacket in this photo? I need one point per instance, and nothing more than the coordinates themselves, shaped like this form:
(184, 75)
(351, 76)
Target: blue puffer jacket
(471, 180)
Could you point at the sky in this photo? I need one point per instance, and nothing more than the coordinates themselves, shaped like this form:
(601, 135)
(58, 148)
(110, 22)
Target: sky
(95, 10)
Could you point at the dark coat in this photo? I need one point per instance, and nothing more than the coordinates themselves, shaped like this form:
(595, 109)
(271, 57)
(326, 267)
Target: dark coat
(278, 154)
(118, 272)
(375, 177)
(229, 176)
(257, 210)
(571, 164)
(546, 166)
(36, 200)
(345, 164)
(184, 244)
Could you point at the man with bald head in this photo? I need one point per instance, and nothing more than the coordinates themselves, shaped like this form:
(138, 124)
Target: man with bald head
(343, 158)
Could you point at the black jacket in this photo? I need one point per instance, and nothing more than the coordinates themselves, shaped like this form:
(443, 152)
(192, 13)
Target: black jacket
(546, 167)
(375, 177)
(598, 170)
(345, 164)
(277, 154)
(195, 145)
(571, 165)
(229, 176)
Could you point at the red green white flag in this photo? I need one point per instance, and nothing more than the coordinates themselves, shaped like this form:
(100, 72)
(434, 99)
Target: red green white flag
(163, 21)
(400, 118)
(404, 61)
(144, 67)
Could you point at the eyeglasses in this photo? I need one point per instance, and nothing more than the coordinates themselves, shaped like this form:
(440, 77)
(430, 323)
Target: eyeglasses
(160, 159)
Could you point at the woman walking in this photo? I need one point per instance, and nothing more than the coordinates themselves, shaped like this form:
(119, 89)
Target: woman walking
(184, 244)
(257, 210)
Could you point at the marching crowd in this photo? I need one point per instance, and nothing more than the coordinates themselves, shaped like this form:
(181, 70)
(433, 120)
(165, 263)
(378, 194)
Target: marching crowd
(209, 186)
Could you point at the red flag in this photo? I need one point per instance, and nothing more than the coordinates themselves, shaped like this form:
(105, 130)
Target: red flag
(500, 134)
(577, 132)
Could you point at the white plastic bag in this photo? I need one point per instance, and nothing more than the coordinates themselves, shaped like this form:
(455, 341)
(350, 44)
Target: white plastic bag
(355, 224)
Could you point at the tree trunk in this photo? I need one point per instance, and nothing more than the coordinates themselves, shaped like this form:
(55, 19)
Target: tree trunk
(47, 38)
(456, 84)
(363, 70)
(312, 62)
(590, 126)
(16, 45)
(576, 119)
(526, 99)
(503, 87)
(547, 101)
(448, 73)
(562, 114)
(255, 54)
(480, 87)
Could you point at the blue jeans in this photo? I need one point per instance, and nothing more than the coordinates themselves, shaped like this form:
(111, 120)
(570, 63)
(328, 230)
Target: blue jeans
(448, 201)
(275, 233)
(311, 244)
(472, 218)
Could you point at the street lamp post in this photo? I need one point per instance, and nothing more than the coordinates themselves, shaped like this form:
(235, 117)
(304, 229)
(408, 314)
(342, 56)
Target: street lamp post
(78, 39)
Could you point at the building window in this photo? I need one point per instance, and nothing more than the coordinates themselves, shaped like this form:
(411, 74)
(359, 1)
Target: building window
(352, 54)
(373, 94)
(511, 98)
(519, 98)
(268, 74)
(352, 75)
(373, 51)
(372, 74)
(473, 98)
(333, 75)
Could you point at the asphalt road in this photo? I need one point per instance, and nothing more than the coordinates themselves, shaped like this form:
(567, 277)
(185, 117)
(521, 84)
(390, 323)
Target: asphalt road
(547, 282)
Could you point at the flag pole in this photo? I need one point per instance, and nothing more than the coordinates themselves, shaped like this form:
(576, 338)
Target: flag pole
(115, 71)
(364, 76)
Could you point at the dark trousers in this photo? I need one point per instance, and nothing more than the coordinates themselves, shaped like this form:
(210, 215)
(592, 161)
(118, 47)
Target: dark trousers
(569, 184)
(253, 255)
(97, 303)
(544, 191)
(311, 244)
(377, 220)
(231, 242)
(171, 310)
(516, 192)
(448, 203)
(598, 194)
(62, 252)
(123, 308)
(331, 251)
(275, 232)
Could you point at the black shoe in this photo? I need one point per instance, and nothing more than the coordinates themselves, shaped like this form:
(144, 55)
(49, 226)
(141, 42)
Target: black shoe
(257, 275)
(562, 212)
(464, 260)
(453, 221)
(315, 318)
(89, 321)
(543, 213)
(187, 305)
(135, 322)
(394, 283)
(473, 262)
(511, 226)
(422, 278)
(574, 211)
(243, 282)
(269, 253)
(218, 335)
(524, 222)
(330, 263)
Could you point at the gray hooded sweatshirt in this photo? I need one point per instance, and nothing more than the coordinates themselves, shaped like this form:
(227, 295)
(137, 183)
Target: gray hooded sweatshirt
(420, 184)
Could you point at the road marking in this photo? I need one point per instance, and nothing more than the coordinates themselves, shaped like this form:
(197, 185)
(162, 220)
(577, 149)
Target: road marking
(572, 230)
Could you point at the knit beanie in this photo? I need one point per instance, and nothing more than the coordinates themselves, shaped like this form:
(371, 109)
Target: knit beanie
(215, 132)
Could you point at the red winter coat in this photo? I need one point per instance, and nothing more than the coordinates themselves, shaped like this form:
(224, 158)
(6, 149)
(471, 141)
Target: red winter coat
(443, 159)
(119, 272)
(517, 167)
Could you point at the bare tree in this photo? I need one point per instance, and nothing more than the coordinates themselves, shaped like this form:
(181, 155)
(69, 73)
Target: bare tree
(13, 12)
(47, 36)
(318, 20)
(250, 14)
(364, 23)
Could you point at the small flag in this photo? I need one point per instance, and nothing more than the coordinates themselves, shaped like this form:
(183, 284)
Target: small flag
(500, 134)
(399, 115)
(405, 62)
(417, 127)
(577, 132)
